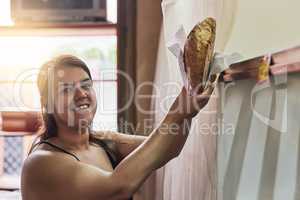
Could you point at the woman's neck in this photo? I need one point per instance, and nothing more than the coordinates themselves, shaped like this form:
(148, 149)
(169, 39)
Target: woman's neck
(73, 139)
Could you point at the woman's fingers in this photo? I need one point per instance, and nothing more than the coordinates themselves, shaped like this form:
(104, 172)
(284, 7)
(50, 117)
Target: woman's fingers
(211, 86)
(202, 99)
(187, 106)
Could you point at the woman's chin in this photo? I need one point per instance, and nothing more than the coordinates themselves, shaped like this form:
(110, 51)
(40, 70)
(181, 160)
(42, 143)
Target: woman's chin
(83, 122)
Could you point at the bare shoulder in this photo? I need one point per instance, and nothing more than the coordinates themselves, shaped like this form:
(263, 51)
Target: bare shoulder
(43, 164)
(52, 174)
(43, 157)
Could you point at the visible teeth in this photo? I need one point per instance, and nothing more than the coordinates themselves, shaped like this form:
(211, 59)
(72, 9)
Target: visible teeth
(82, 107)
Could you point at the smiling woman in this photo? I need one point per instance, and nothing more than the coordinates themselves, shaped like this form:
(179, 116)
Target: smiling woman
(18, 90)
(18, 76)
(22, 53)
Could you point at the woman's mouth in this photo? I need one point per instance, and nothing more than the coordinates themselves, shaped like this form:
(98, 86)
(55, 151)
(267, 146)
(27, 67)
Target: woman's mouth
(82, 108)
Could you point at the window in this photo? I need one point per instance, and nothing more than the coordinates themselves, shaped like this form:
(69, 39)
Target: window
(24, 51)
(23, 56)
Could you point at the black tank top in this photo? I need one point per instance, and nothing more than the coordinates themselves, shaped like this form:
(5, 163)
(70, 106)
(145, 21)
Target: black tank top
(111, 156)
(103, 145)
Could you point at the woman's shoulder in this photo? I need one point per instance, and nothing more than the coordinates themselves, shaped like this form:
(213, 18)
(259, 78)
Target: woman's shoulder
(42, 167)
(41, 157)
(41, 161)
(43, 154)
(45, 170)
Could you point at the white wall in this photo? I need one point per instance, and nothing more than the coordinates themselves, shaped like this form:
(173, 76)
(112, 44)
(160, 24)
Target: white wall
(264, 25)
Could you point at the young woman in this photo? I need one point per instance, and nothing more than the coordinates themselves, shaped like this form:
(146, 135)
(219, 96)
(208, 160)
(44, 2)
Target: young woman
(72, 162)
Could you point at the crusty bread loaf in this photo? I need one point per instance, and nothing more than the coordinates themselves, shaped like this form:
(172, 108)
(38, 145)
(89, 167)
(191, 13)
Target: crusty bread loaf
(198, 52)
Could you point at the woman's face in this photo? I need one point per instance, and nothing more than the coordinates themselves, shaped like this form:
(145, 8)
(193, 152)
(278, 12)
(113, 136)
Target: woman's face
(74, 97)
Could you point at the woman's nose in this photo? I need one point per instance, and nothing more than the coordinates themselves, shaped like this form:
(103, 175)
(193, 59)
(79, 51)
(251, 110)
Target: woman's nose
(79, 92)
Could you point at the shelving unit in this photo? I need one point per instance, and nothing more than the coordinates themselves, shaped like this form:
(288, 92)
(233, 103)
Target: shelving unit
(285, 61)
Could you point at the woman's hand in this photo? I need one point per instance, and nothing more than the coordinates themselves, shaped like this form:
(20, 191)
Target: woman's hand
(187, 106)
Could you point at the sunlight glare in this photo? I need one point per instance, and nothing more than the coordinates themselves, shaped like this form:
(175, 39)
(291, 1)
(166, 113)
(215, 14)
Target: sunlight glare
(5, 18)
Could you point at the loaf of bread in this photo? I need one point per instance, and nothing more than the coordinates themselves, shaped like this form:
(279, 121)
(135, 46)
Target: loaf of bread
(198, 53)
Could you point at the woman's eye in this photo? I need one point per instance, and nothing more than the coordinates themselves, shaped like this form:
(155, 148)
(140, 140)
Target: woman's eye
(87, 87)
(67, 90)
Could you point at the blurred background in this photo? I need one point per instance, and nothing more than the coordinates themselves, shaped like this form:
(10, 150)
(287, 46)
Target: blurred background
(133, 37)
(26, 43)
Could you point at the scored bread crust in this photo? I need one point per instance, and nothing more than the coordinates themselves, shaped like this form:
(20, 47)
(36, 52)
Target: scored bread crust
(198, 53)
